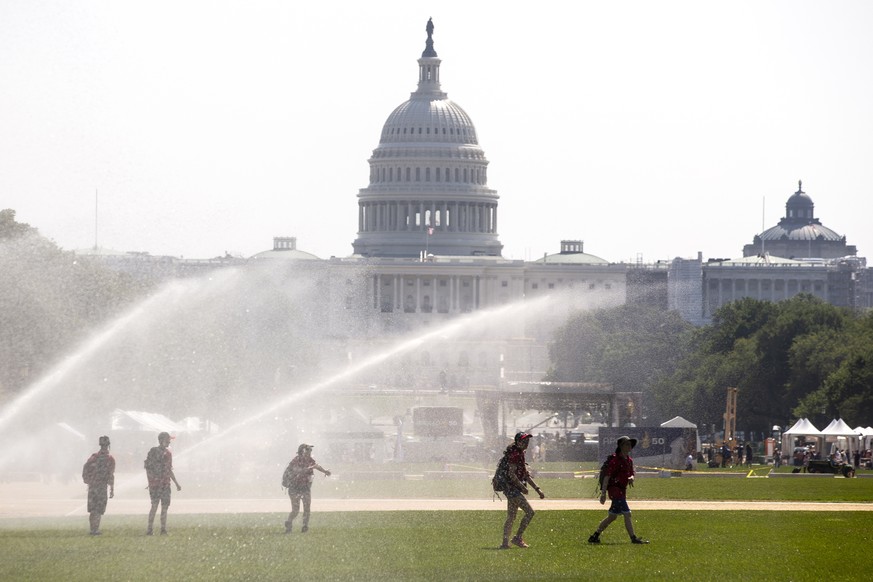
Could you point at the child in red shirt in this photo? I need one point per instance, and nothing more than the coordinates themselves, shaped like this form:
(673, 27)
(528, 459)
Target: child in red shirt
(619, 473)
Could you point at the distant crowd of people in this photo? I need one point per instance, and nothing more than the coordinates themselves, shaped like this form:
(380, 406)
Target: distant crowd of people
(730, 456)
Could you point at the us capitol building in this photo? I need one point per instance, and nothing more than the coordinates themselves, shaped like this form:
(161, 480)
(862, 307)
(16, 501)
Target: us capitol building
(428, 249)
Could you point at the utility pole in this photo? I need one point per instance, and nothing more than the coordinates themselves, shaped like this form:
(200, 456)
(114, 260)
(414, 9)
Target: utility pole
(730, 415)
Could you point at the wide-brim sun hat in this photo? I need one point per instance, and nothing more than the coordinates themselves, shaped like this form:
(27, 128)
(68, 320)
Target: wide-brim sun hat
(621, 439)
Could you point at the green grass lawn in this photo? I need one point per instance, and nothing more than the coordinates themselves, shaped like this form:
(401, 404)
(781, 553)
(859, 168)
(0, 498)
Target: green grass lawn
(460, 545)
(710, 487)
(694, 488)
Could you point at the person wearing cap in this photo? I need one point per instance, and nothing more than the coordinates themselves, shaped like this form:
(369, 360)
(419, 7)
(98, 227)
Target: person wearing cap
(298, 478)
(519, 479)
(618, 474)
(99, 473)
(159, 470)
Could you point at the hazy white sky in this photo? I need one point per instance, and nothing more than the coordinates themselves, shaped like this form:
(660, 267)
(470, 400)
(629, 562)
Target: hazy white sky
(643, 128)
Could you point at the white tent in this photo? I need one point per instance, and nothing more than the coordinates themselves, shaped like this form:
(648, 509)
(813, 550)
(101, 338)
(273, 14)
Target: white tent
(866, 435)
(801, 428)
(838, 430)
(679, 422)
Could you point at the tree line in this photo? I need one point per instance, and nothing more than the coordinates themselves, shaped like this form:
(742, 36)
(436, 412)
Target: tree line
(801, 357)
(229, 343)
(49, 299)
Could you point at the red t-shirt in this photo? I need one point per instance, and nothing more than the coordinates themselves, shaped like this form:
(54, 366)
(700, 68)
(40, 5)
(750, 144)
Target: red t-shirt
(161, 478)
(516, 457)
(302, 471)
(619, 470)
(99, 470)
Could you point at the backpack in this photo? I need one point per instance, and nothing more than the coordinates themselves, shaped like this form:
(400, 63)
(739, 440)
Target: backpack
(602, 472)
(88, 470)
(95, 467)
(500, 481)
(287, 476)
(154, 463)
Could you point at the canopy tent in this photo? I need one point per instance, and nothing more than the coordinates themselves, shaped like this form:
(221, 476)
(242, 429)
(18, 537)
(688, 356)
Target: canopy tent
(838, 430)
(801, 428)
(866, 434)
(838, 427)
(679, 422)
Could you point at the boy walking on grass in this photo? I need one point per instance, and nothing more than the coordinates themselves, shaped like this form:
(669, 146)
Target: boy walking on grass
(298, 479)
(519, 479)
(618, 474)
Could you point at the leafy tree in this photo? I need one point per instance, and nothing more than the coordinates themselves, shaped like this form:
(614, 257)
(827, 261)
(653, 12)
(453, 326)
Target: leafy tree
(735, 321)
(10, 229)
(49, 298)
(774, 353)
(847, 389)
(630, 347)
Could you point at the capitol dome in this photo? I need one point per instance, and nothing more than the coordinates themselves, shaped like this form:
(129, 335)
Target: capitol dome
(800, 234)
(429, 120)
(428, 191)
